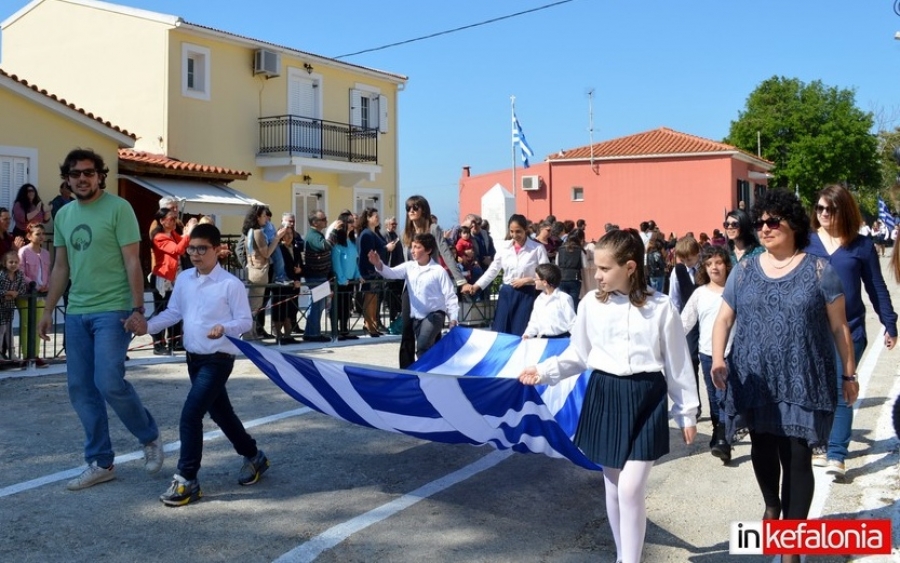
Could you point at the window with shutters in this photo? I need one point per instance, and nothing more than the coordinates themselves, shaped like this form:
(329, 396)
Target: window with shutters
(15, 169)
(195, 71)
(368, 108)
(368, 197)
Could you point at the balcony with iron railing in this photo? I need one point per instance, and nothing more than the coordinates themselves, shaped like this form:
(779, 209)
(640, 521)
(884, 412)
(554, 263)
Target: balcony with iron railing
(298, 136)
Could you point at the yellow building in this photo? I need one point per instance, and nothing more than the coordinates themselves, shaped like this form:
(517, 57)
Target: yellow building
(37, 131)
(313, 132)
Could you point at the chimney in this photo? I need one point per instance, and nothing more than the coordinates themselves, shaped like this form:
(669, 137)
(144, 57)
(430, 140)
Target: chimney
(466, 171)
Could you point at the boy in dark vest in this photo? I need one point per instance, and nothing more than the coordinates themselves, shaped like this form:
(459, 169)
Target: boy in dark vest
(681, 285)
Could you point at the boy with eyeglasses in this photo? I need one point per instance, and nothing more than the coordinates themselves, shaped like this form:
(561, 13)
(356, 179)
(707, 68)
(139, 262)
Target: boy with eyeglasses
(212, 303)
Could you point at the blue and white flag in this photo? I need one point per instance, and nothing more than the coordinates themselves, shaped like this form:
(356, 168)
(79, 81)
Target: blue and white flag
(518, 138)
(463, 391)
(885, 215)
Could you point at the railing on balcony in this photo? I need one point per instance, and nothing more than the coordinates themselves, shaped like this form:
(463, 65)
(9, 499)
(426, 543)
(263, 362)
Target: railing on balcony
(293, 135)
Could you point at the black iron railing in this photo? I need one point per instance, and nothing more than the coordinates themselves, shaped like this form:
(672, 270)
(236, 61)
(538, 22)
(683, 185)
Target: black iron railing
(294, 135)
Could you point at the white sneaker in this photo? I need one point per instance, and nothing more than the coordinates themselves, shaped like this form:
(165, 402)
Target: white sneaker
(153, 456)
(91, 476)
(835, 468)
(819, 460)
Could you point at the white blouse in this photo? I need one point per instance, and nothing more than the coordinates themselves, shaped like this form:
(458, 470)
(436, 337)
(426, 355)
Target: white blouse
(703, 307)
(552, 315)
(514, 265)
(618, 338)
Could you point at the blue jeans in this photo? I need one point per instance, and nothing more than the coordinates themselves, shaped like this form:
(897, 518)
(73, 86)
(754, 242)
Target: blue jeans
(658, 283)
(314, 318)
(839, 441)
(573, 288)
(714, 395)
(209, 374)
(95, 348)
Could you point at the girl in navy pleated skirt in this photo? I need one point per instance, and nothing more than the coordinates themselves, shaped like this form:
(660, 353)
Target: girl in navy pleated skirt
(631, 338)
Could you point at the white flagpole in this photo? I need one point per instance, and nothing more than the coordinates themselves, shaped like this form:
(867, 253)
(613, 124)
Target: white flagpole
(512, 112)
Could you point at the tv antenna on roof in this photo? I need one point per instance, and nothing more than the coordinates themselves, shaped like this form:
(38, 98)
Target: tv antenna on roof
(590, 94)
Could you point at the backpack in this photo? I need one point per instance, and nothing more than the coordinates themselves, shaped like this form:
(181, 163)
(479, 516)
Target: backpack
(240, 251)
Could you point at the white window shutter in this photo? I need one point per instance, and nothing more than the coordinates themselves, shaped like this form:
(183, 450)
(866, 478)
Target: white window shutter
(382, 114)
(355, 105)
(13, 173)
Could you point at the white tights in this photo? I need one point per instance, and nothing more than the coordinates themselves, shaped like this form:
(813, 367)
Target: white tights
(626, 507)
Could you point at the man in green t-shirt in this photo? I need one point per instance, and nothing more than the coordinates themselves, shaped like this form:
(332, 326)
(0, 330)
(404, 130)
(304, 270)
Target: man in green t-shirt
(96, 241)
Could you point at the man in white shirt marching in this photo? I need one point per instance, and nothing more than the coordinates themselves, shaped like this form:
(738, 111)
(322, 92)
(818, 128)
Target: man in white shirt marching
(432, 296)
(212, 303)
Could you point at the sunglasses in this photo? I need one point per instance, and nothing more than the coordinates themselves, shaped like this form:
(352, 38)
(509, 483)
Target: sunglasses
(87, 173)
(821, 209)
(771, 222)
(731, 225)
(413, 207)
(198, 250)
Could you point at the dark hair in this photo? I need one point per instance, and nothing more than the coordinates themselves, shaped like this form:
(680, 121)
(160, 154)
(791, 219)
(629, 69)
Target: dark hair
(465, 231)
(745, 230)
(519, 220)
(207, 231)
(575, 240)
(550, 273)
(424, 222)
(251, 220)
(581, 224)
(712, 252)
(160, 214)
(783, 203)
(78, 155)
(427, 241)
(847, 219)
(22, 197)
(362, 220)
(625, 245)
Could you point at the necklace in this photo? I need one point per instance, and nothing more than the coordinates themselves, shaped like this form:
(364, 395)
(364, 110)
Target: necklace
(786, 264)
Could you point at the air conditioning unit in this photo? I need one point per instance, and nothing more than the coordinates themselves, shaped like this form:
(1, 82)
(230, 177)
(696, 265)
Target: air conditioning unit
(531, 183)
(267, 62)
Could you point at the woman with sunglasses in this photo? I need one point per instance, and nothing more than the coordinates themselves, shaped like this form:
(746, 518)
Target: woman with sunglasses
(419, 221)
(787, 310)
(27, 210)
(742, 241)
(853, 256)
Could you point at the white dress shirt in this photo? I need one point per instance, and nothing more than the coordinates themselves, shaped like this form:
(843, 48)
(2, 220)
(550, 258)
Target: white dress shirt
(703, 307)
(203, 302)
(674, 293)
(430, 288)
(514, 265)
(552, 315)
(618, 338)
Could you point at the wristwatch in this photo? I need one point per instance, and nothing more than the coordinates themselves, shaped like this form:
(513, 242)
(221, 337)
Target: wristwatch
(849, 377)
(140, 310)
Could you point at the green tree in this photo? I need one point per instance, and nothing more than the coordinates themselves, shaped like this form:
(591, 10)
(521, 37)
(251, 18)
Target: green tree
(813, 133)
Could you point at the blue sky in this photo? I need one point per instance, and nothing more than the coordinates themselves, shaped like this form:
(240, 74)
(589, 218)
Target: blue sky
(688, 65)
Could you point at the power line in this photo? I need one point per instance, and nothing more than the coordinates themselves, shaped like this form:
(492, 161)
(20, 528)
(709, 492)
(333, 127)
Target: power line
(439, 33)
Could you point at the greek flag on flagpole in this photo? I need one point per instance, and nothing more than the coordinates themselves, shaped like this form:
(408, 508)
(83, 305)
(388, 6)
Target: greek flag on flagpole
(464, 390)
(885, 215)
(518, 138)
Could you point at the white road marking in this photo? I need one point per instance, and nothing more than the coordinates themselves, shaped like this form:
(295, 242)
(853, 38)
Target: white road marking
(168, 448)
(312, 548)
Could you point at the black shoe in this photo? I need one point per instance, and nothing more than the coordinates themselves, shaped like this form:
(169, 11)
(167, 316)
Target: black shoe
(720, 449)
(319, 338)
(253, 468)
(265, 335)
(297, 330)
(181, 492)
(374, 334)
(345, 336)
(160, 352)
(287, 340)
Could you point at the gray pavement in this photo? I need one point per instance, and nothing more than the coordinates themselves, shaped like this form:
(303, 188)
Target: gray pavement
(343, 493)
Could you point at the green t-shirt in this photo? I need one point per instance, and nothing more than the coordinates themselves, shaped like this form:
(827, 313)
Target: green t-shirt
(94, 234)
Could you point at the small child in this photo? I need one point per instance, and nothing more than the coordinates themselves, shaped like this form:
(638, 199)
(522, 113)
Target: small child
(554, 312)
(35, 266)
(12, 283)
(212, 303)
(702, 307)
(631, 338)
(432, 297)
(465, 241)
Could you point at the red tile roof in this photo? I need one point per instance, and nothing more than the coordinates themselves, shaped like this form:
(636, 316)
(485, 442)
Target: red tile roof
(63, 102)
(657, 142)
(167, 163)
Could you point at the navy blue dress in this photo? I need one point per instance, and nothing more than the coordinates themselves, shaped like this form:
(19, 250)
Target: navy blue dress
(782, 367)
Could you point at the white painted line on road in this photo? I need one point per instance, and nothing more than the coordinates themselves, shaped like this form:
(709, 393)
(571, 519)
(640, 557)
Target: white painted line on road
(309, 551)
(864, 372)
(168, 448)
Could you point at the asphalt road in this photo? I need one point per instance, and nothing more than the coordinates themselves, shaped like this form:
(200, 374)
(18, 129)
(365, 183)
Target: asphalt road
(341, 493)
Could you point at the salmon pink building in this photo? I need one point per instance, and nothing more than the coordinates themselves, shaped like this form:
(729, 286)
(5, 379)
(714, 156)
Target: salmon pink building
(681, 181)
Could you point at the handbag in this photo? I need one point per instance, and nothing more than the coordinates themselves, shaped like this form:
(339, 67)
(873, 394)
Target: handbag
(255, 274)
